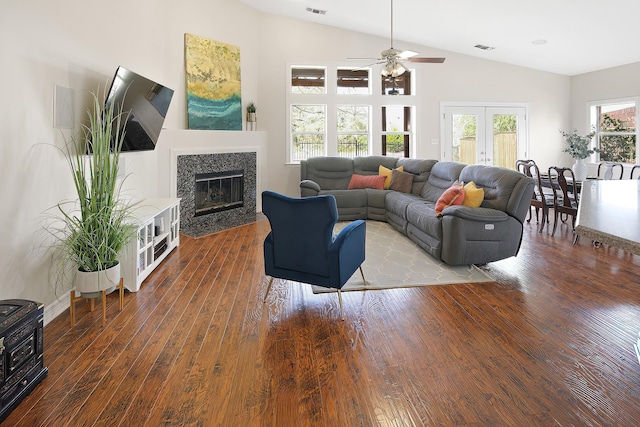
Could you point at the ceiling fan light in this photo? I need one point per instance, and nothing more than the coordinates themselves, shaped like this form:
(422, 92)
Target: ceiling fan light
(392, 70)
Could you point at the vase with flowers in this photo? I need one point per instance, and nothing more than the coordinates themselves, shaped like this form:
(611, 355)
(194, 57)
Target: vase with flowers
(579, 147)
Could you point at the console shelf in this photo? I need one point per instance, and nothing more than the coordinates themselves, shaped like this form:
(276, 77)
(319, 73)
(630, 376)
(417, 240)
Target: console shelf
(158, 235)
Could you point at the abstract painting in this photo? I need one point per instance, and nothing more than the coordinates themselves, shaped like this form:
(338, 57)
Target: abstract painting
(213, 84)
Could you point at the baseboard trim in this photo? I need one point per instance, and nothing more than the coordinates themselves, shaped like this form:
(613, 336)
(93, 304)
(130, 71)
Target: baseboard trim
(56, 308)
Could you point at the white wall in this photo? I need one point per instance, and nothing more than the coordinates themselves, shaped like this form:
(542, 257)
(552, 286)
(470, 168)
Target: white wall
(80, 44)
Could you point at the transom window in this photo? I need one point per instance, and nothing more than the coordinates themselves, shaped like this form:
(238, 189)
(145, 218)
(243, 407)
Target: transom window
(334, 111)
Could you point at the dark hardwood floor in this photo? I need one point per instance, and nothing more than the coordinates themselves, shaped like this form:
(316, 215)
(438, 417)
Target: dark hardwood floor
(550, 343)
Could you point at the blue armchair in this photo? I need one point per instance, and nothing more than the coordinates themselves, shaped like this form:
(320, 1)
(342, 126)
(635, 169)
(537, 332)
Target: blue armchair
(301, 245)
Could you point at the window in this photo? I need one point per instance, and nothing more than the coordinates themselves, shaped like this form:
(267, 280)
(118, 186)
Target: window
(396, 130)
(308, 80)
(353, 81)
(332, 109)
(308, 131)
(398, 85)
(614, 123)
(353, 130)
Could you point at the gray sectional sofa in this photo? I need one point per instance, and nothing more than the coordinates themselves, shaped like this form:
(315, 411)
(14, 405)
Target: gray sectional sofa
(462, 235)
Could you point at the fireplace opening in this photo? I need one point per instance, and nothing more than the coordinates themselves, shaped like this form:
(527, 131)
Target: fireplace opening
(219, 191)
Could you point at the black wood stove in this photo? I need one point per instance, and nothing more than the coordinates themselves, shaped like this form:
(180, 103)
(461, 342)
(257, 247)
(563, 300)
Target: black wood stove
(21, 344)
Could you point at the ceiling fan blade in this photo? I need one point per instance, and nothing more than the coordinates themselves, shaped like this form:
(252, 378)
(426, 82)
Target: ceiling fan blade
(366, 59)
(427, 60)
(407, 54)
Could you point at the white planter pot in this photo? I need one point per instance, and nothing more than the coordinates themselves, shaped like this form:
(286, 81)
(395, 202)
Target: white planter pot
(91, 283)
(579, 170)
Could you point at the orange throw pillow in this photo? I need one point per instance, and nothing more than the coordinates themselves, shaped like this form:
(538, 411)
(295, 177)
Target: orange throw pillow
(453, 195)
(366, 181)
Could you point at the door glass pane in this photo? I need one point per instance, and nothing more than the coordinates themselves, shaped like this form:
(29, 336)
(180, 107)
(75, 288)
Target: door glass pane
(464, 134)
(505, 140)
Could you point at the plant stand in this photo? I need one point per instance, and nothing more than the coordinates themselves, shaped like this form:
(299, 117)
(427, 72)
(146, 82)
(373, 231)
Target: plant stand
(74, 299)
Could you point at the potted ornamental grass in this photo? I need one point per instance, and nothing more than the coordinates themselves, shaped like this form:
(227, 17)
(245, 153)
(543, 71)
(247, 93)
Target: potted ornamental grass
(92, 230)
(579, 147)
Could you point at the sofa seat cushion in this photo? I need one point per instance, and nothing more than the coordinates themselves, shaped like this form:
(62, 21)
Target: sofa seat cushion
(423, 217)
(397, 202)
(376, 206)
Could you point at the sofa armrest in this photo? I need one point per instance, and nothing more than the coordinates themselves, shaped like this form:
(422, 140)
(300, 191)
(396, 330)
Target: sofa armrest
(309, 188)
(476, 214)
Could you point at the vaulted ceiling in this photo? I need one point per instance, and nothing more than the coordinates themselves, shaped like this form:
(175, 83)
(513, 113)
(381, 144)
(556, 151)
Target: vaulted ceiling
(561, 36)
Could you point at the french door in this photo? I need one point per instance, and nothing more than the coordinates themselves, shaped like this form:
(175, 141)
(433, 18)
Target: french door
(485, 135)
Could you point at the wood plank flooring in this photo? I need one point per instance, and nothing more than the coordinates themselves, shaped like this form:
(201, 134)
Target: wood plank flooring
(550, 343)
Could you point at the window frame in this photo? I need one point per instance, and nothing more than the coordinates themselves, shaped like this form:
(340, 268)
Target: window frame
(375, 100)
(594, 123)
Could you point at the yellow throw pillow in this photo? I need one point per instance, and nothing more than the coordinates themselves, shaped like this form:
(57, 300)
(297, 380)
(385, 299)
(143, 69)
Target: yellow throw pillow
(386, 172)
(473, 196)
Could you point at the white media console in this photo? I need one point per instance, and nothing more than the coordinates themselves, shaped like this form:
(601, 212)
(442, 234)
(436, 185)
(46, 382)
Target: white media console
(158, 235)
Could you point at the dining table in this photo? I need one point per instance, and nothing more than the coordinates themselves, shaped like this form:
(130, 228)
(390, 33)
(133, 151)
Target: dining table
(609, 213)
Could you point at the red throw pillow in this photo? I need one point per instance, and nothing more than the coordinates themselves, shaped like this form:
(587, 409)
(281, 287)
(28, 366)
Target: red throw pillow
(366, 181)
(453, 195)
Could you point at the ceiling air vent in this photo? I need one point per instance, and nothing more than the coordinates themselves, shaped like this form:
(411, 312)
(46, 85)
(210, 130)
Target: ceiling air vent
(316, 11)
(483, 47)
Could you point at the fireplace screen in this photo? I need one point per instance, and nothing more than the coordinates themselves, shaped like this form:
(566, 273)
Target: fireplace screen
(219, 191)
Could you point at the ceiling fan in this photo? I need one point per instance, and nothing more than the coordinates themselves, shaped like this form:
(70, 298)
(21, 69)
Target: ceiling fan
(393, 59)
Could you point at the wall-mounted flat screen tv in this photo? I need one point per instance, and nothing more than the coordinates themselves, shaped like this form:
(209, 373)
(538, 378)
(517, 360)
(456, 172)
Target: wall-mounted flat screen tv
(146, 102)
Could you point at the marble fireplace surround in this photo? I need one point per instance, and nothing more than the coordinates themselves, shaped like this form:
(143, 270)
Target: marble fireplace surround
(240, 152)
(188, 165)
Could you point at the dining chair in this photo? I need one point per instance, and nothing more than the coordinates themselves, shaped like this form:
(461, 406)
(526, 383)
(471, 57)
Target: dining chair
(522, 167)
(565, 199)
(301, 246)
(633, 171)
(542, 198)
(610, 169)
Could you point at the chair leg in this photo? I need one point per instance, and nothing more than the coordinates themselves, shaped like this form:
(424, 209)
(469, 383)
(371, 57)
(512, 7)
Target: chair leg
(555, 221)
(268, 289)
(363, 279)
(340, 301)
(545, 215)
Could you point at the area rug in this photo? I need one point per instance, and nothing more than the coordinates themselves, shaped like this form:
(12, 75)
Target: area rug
(394, 261)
